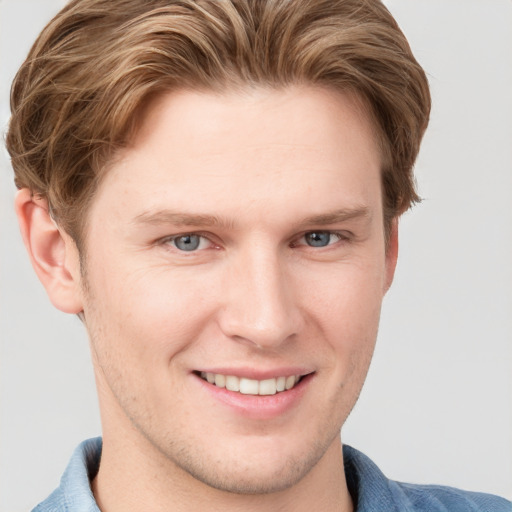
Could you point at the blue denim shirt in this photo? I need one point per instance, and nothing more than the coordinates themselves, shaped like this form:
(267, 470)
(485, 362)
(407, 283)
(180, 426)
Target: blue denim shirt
(369, 488)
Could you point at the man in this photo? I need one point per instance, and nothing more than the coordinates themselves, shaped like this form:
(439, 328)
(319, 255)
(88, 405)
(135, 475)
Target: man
(214, 188)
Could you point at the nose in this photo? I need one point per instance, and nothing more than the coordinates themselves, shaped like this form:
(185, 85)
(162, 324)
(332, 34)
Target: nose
(262, 306)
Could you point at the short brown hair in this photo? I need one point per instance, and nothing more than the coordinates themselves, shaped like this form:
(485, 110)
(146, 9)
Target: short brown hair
(76, 98)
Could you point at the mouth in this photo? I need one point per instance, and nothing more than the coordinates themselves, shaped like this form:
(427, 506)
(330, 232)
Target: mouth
(247, 386)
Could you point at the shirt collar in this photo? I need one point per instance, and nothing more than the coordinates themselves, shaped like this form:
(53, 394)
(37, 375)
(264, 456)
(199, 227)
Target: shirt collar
(370, 490)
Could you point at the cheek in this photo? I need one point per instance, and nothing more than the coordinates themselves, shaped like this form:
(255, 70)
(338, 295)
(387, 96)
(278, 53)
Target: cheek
(142, 314)
(139, 326)
(346, 308)
(347, 296)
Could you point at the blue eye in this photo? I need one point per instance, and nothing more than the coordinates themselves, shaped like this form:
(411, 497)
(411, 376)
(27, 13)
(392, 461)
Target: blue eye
(187, 242)
(318, 238)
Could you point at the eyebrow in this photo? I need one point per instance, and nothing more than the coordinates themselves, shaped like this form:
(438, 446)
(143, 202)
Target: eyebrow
(160, 217)
(165, 217)
(341, 215)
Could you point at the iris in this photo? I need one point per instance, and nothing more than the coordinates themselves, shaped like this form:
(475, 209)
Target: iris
(187, 242)
(318, 238)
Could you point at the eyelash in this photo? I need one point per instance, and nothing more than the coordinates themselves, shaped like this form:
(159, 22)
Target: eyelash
(342, 236)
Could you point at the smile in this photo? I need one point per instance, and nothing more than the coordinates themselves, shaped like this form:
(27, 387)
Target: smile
(251, 386)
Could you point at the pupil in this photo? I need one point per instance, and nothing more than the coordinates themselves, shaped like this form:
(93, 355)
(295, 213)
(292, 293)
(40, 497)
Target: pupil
(187, 242)
(318, 239)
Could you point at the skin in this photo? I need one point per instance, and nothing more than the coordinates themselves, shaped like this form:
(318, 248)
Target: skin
(270, 166)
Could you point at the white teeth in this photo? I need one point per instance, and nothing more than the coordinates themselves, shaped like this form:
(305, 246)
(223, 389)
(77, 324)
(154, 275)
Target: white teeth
(251, 386)
(280, 383)
(220, 380)
(290, 382)
(232, 383)
(268, 387)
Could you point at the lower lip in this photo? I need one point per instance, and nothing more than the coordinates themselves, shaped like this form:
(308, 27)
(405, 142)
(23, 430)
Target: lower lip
(259, 407)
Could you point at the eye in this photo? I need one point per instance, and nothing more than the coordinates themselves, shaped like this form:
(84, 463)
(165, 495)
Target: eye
(321, 238)
(189, 242)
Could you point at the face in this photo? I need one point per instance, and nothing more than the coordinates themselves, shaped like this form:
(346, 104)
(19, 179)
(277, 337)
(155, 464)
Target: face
(234, 275)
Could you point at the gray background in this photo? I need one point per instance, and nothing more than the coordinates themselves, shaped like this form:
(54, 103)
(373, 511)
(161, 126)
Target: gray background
(437, 406)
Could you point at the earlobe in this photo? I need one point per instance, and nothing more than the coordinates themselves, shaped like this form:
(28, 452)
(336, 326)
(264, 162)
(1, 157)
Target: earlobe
(52, 253)
(391, 254)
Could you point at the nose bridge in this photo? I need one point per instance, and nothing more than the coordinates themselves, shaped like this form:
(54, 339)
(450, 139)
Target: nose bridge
(261, 306)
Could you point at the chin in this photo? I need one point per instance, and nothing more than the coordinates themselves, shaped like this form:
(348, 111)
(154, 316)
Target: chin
(265, 469)
(245, 479)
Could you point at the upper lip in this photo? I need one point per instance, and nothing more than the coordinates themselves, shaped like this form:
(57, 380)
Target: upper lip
(258, 374)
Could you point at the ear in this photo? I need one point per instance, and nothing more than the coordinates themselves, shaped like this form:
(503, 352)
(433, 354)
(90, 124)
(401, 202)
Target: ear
(391, 254)
(52, 252)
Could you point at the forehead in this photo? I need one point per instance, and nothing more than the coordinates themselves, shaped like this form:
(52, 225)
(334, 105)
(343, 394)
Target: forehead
(252, 118)
(247, 148)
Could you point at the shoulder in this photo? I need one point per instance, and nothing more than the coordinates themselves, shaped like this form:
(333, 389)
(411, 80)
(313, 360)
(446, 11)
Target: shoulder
(441, 498)
(373, 492)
